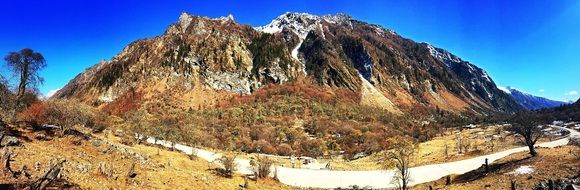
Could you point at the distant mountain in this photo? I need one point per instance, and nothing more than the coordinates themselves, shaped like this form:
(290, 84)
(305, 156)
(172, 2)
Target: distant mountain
(200, 60)
(531, 102)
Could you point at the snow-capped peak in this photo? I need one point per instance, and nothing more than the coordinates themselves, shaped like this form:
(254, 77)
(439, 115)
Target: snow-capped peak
(301, 23)
(512, 90)
(224, 19)
(505, 89)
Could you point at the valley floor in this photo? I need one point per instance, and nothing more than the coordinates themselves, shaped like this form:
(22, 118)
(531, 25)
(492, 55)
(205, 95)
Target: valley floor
(156, 168)
(89, 158)
(551, 164)
(480, 141)
(375, 178)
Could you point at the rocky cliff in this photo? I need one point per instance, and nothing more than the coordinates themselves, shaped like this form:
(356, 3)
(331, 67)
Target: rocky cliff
(199, 60)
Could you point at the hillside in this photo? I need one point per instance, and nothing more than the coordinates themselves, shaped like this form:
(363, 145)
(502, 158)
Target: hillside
(569, 112)
(199, 62)
(531, 102)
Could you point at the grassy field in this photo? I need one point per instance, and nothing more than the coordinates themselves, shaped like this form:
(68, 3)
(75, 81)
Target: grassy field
(162, 169)
(478, 142)
(555, 163)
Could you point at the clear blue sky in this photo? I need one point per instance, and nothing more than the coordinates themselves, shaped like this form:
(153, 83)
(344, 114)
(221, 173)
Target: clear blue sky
(531, 45)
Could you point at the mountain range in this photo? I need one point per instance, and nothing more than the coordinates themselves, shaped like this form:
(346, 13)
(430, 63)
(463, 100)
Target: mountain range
(531, 102)
(199, 61)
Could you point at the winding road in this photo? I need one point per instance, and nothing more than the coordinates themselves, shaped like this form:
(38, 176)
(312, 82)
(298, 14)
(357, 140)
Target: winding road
(375, 179)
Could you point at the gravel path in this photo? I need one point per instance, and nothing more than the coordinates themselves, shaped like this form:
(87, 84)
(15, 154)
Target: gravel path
(375, 179)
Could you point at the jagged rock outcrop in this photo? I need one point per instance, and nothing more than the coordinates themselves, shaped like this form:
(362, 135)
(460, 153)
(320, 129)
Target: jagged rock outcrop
(335, 51)
(194, 53)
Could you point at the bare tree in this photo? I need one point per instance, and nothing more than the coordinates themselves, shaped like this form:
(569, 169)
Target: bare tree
(446, 151)
(6, 99)
(401, 155)
(26, 64)
(263, 165)
(459, 142)
(229, 165)
(527, 126)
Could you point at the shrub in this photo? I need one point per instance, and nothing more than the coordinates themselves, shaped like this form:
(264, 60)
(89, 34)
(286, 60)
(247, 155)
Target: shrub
(129, 101)
(263, 165)
(284, 149)
(229, 165)
(263, 146)
(64, 113)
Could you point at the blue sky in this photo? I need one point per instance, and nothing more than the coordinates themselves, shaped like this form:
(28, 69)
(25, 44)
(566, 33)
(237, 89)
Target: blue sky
(531, 45)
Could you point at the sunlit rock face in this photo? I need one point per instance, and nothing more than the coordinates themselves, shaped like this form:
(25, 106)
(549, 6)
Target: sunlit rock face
(333, 51)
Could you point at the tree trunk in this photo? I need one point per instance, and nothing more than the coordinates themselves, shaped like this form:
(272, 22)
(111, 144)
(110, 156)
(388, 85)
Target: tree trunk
(22, 85)
(532, 150)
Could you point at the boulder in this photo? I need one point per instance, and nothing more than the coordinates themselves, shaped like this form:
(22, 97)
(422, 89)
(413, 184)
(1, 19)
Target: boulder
(96, 142)
(41, 136)
(9, 141)
(118, 133)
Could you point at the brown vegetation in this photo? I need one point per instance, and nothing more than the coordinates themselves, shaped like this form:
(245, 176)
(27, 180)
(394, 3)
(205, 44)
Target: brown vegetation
(287, 119)
(229, 165)
(550, 164)
(65, 114)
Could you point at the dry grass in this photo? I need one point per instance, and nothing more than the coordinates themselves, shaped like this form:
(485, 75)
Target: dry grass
(166, 170)
(433, 151)
(552, 164)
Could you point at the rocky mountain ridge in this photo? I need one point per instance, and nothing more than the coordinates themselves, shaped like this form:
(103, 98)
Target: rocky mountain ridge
(199, 58)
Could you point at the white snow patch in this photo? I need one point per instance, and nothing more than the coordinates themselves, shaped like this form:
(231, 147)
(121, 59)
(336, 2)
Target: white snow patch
(301, 24)
(486, 76)
(271, 28)
(443, 55)
(225, 19)
(321, 30)
(504, 89)
(522, 170)
(50, 93)
(295, 54)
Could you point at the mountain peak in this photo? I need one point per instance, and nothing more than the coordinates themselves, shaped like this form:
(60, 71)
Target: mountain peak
(230, 17)
(200, 53)
(184, 20)
(529, 101)
(302, 23)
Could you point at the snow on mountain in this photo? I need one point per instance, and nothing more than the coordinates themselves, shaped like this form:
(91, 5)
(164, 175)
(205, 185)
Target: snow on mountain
(530, 101)
(237, 59)
(504, 89)
(443, 55)
(301, 24)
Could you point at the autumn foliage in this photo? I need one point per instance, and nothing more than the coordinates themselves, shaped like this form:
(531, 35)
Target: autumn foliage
(64, 113)
(127, 102)
(299, 89)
